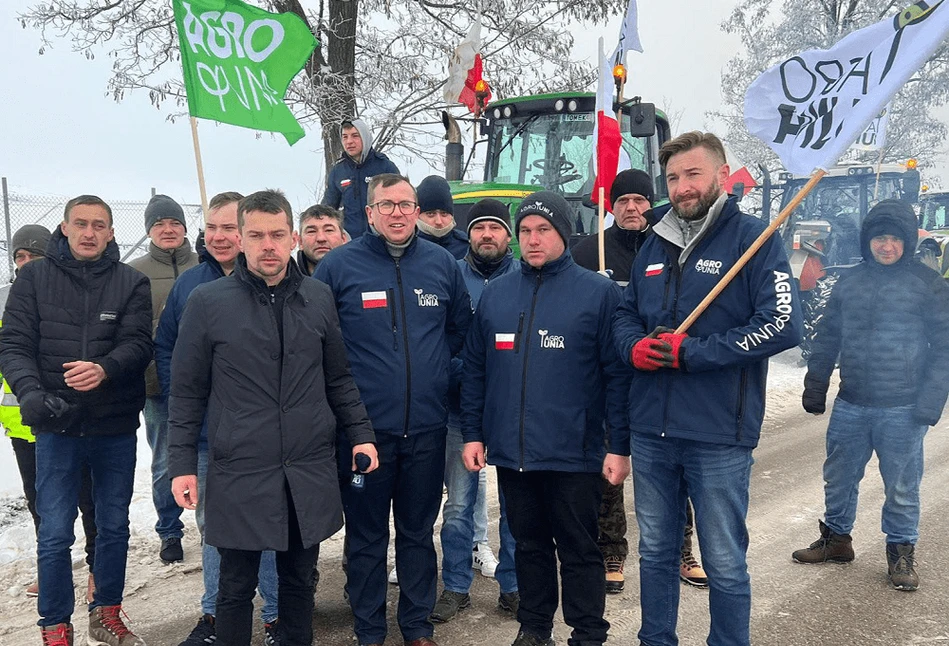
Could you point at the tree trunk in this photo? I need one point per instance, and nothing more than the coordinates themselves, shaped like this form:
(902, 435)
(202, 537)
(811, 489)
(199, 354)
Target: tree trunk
(337, 100)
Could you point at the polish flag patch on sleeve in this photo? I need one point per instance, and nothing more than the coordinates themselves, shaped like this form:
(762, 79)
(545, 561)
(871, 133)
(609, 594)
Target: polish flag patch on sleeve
(503, 341)
(654, 270)
(372, 300)
(344, 183)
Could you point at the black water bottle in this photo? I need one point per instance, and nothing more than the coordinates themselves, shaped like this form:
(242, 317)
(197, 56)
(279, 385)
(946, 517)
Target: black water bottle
(363, 462)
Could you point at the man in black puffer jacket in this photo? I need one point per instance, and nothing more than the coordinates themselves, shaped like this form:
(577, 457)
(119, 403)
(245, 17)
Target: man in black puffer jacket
(887, 319)
(76, 339)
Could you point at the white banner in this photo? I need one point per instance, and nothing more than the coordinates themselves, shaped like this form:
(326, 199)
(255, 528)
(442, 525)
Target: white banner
(810, 108)
(628, 34)
(874, 136)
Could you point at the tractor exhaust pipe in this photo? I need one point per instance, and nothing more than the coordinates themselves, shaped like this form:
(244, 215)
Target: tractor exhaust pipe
(454, 150)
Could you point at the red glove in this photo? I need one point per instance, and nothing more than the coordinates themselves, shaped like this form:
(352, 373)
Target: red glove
(650, 353)
(675, 346)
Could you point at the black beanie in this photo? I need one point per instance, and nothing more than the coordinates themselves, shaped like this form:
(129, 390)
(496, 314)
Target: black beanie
(550, 206)
(632, 180)
(885, 228)
(32, 237)
(489, 209)
(434, 194)
(161, 207)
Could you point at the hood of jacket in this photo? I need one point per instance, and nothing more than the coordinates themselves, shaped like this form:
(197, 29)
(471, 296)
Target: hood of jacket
(164, 256)
(896, 216)
(59, 253)
(363, 129)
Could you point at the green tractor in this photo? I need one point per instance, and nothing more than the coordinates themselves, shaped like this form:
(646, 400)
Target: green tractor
(547, 142)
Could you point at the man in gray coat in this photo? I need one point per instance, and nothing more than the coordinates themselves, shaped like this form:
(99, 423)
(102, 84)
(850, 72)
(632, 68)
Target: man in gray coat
(274, 388)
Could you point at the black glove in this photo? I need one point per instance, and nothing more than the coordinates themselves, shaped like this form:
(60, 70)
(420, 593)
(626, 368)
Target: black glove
(33, 410)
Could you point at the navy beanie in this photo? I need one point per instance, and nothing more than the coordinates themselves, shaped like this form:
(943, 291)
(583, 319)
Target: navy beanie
(161, 207)
(434, 194)
(489, 210)
(550, 206)
(631, 180)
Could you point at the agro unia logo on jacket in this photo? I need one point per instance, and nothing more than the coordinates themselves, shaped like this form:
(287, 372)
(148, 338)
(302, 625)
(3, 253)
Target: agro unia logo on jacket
(426, 300)
(550, 340)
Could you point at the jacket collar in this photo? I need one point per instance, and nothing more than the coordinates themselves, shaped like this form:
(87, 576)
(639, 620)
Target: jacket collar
(503, 264)
(60, 254)
(377, 244)
(291, 281)
(178, 255)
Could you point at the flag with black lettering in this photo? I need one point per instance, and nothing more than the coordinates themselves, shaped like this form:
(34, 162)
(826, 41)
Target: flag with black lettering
(811, 107)
(238, 61)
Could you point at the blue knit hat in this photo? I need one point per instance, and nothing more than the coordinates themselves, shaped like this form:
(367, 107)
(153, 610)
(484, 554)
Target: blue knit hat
(434, 194)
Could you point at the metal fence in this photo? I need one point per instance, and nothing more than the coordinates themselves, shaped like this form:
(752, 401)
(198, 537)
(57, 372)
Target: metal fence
(128, 219)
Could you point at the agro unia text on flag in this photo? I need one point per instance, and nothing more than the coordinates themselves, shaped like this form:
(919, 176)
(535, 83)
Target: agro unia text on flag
(811, 107)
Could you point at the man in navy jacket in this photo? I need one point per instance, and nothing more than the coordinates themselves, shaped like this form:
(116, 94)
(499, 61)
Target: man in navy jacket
(404, 311)
(540, 351)
(697, 401)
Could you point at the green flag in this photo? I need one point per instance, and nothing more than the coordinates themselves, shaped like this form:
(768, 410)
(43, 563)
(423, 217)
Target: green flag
(238, 61)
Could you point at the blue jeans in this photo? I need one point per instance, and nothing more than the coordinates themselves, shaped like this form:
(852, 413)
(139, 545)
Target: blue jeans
(459, 528)
(59, 460)
(169, 523)
(853, 434)
(480, 508)
(211, 560)
(716, 478)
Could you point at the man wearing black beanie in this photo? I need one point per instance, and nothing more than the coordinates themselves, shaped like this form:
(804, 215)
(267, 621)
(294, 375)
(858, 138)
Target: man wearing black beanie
(436, 219)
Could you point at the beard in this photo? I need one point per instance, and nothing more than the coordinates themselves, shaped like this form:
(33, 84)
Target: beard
(701, 206)
(490, 253)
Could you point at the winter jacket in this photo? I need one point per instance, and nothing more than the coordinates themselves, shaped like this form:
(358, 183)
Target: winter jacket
(348, 182)
(540, 373)
(718, 394)
(403, 319)
(888, 325)
(273, 406)
(61, 309)
(162, 268)
(620, 248)
(456, 242)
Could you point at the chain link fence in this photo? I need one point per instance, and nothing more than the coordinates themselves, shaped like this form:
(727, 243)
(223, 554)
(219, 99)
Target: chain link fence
(128, 220)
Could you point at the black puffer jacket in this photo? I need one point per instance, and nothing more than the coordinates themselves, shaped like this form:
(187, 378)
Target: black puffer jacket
(61, 309)
(620, 247)
(889, 325)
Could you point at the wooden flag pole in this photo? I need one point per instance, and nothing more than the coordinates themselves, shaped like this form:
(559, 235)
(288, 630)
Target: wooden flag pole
(876, 185)
(600, 243)
(752, 250)
(197, 161)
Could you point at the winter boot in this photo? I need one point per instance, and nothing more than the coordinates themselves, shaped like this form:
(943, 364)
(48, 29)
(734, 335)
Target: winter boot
(901, 562)
(615, 580)
(106, 628)
(58, 635)
(528, 639)
(202, 634)
(837, 548)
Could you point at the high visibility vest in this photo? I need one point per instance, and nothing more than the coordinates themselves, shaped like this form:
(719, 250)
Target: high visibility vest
(10, 416)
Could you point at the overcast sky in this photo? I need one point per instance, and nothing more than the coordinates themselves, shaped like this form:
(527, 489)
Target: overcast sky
(60, 134)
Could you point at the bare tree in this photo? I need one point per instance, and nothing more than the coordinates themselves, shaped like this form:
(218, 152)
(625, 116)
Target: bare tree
(381, 59)
(773, 30)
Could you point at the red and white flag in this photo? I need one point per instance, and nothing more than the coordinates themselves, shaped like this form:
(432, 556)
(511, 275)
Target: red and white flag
(372, 300)
(465, 70)
(606, 133)
(739, 174)
(503, 341)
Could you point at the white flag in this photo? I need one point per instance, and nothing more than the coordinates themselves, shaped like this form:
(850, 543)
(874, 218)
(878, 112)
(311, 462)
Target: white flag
(811, 107)
(628, 34)
(461, 61)
(874, 136)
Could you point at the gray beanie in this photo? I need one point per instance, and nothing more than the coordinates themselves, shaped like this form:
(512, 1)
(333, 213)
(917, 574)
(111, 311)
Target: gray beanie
(161, 207)
(32, 237)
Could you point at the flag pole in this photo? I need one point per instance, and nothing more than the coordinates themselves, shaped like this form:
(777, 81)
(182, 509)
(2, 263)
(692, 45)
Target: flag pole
(752, 250)
(876, 185)
(601, 243)
(197, 161)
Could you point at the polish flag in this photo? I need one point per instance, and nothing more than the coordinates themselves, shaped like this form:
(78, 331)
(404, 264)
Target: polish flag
(606, 133)
(503, 341)
(739, 173)
(372, 300)
(465, 69)
(654, 270)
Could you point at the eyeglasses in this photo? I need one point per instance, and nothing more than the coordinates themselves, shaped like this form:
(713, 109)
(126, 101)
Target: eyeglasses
(387, 207)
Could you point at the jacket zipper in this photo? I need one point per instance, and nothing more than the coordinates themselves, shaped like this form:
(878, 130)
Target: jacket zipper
(395, 328)
(405, 341)
(675, 321)
(85, 316)
(517, 337)
(174, 264)
(742, 385)
(527, 349)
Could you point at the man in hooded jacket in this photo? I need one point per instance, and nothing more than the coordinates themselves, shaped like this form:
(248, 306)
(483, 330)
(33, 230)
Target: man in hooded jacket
(886, 323)
(347, 183)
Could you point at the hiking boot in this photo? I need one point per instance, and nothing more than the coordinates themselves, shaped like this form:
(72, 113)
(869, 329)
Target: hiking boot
(482, 558)
(107, 629)
(91, 589)
(692, 572)
(527, 639)
(614, 575)
(901, 563)
(202, 634)
(171, 551)
(448, 606)
(58, 635)
(836, 548)
(510, 602)
(271, 633)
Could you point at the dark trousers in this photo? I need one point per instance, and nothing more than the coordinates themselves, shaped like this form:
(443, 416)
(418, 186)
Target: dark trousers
(25, 453)
(409, 480)
(553, 514)
(295, 582)
(612, 523)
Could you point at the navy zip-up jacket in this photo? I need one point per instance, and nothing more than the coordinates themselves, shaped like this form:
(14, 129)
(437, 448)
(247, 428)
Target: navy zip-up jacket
(402, 320)
(455, 242)
(718, 394)
(540, 372)
(348, 184)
